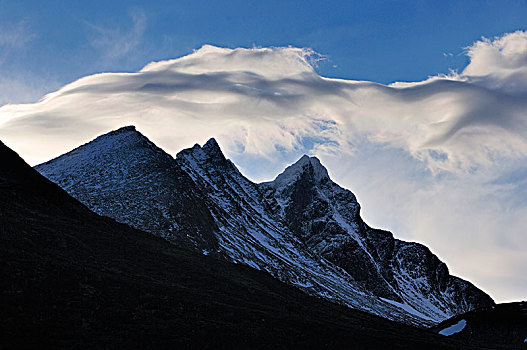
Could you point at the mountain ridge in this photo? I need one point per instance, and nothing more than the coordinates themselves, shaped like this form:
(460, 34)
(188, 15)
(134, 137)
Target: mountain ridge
(74, 279)
(302, 228)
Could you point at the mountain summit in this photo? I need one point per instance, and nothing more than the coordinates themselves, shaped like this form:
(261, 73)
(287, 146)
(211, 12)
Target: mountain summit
(302, 228)
(306, 164)
(125, 176)
(326, 218)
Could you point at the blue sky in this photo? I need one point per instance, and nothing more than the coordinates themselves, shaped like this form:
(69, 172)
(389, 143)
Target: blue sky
(382, 41)
(438, 159)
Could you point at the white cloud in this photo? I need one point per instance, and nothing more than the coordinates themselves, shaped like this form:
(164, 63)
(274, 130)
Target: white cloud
(426, 159)
(501, 63)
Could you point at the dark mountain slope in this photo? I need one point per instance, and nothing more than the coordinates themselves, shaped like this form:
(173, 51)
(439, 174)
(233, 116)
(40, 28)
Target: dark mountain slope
(73, 279)
(502, 326)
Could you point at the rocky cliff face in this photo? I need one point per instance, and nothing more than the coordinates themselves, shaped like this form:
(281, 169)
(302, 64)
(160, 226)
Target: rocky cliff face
(327, 219)
(302, 228)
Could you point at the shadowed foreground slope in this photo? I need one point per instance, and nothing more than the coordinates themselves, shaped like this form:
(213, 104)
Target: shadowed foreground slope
(501, 326)
(73, 279)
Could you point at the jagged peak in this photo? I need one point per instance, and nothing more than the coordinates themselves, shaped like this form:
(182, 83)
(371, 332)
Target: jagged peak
(294, 171)
(211, 147)
(210, 151)
(315, 162)
(211, 143)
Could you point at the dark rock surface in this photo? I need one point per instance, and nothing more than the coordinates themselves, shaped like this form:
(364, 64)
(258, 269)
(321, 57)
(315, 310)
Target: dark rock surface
(501, 326)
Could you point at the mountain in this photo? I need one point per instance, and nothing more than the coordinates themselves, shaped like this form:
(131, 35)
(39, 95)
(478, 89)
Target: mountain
(327, 219)
(501, 326)
(74, 279)
(302, 228)
(137, 183)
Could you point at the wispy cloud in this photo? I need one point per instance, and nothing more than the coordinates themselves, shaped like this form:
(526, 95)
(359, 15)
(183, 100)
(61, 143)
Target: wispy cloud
(115, 41)
(16, 84)
(425, 158)
(17, 87)
(14, 37)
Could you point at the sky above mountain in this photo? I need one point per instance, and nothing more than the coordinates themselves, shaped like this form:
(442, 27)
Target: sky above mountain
(405, 103)
(44, 45)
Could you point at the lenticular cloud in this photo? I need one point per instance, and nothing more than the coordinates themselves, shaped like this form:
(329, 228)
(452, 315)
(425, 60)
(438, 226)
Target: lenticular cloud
(262, 103)
(265, 100)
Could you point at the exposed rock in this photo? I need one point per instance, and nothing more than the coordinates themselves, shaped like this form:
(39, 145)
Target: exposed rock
(302, 228)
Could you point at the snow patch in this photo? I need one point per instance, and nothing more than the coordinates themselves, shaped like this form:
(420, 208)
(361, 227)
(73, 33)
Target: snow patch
(455, 328)
(407, 308)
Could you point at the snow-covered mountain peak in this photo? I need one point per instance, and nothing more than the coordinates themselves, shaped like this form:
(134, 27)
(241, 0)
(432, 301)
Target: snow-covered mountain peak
(213, 150)
(126, 134)
(305, 166)
(211, 146)
(125, 142)
(205, 156)
(123, 175)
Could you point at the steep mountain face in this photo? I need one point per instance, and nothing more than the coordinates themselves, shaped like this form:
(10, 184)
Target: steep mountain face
(327, 219)
(72, 279)
(324, 216)
(251, 234)
(125, 176)
(302, 228)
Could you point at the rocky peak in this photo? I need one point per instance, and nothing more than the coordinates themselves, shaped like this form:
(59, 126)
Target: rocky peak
(128, 128)
(117, 146)
(305, 167)
(205, 156)
(123, 175)
(212, 148)
(197, 152)
(124, 135)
